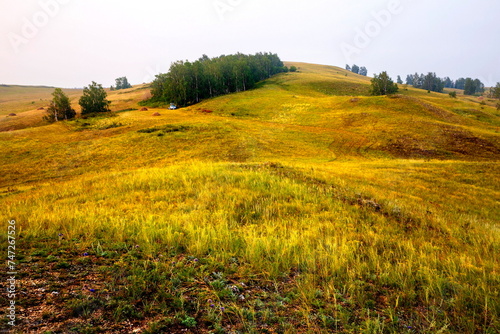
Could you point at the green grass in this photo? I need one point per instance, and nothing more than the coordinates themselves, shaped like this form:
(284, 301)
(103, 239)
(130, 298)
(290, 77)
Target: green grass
(303, 206)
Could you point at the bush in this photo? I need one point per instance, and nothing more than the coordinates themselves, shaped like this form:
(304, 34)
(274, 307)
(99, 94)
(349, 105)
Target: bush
(293, 69)
(453, 95)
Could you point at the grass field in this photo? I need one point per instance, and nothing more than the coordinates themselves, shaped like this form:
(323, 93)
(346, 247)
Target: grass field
(303, 206)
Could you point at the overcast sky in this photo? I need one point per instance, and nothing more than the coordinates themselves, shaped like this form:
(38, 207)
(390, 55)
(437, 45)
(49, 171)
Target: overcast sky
(70, 43)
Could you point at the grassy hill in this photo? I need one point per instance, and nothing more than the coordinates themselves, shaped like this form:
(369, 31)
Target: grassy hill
(305, 205)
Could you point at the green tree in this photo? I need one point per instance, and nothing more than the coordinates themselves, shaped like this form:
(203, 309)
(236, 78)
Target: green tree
(418, 80)
(293, 69)
(122, 83)
(448, 83)
(363, 71)
(478, 86)
(187, 82)
(94, 100)
(355, 69)
(453, 94)
(399, 80)
(432, 83)
(460, 83)
(60, 107)
(409, 79)
(496, 91)
(470, 87)
(382, 84)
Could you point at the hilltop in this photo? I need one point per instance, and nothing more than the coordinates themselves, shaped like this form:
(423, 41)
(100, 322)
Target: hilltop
(304, 205)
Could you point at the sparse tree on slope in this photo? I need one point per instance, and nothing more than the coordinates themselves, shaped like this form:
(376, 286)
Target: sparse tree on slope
(94, 99)
(363, 71)
(355, 69)
(399, 80)
(382, 84)
(60, 107)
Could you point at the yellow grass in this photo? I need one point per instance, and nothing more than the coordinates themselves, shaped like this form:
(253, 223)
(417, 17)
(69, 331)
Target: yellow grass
(384, 211)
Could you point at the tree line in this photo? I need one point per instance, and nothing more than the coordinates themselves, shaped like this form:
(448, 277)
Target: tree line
(358, 70)
(188, 83)
(433, 83)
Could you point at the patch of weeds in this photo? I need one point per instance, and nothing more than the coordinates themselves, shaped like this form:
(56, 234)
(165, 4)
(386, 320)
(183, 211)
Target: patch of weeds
(165, 129)
(62, 265)
(86, 329)
(218, 284)
(99, 115)
(39, 252)
(51, 258)
(150, 130)
(152, 104)
(110, 126)
(84, 261)
(48, 316)
(123, 310)
(85, 308)
(189, 322)
(218, 329)
(157, 327)
(125, 110)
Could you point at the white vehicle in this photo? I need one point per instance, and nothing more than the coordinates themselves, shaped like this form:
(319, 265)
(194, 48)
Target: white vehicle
(172, 106)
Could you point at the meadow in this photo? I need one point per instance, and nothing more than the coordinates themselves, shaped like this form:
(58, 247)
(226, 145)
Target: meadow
(302, 206)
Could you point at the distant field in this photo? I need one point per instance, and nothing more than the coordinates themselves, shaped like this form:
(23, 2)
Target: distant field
(303, 206)
(14, 99)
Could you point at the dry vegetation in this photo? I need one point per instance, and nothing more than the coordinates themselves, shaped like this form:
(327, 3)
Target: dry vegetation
(303, 206)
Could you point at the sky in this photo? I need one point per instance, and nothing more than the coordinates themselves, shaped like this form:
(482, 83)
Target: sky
(70, 43)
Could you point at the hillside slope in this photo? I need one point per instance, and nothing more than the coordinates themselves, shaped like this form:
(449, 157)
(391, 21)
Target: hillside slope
(304, 205)
(318, 115)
